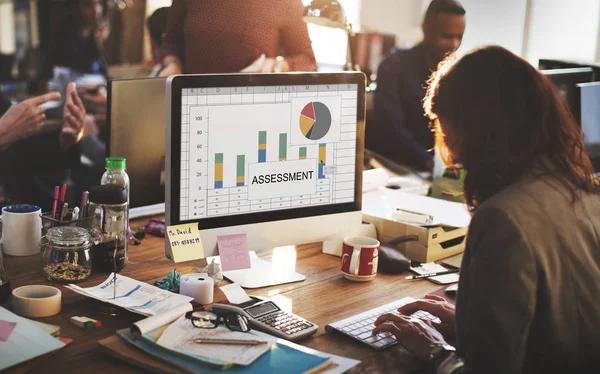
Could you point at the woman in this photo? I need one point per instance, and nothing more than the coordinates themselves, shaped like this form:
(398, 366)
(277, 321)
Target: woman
(229, 36)
(529, 291)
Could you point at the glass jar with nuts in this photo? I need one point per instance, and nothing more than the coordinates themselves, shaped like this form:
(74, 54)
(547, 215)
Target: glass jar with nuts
(67, 254)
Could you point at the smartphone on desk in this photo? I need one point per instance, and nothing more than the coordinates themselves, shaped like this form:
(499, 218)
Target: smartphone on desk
(266, 316)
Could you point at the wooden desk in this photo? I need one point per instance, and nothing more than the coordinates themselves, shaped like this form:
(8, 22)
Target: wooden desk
(325, 296)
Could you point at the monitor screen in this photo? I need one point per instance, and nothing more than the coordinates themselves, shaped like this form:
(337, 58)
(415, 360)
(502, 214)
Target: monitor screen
(590, 114)
(566, 80)
(263, 148)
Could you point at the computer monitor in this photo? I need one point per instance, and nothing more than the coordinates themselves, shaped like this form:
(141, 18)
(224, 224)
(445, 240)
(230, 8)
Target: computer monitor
(566, 80)
(589, 116)
(136, 121)
(275, 156)
(549, 64)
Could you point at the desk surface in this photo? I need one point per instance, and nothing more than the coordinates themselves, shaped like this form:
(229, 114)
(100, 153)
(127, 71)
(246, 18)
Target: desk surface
(325, 296)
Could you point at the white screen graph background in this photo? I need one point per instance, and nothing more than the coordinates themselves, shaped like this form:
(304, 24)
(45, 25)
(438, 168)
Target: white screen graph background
(230, 135)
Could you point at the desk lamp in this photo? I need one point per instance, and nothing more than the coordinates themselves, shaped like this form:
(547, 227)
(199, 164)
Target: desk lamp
(329, 13)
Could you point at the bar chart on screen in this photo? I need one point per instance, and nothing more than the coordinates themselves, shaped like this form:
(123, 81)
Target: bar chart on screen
(272, 148)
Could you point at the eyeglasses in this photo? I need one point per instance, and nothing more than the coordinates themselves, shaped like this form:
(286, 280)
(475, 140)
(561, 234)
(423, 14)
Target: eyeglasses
(209, 320)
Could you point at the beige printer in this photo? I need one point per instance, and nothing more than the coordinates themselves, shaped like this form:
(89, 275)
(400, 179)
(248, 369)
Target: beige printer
(442, 235)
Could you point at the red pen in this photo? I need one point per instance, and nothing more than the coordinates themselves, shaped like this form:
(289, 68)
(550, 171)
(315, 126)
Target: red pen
(63, 192)
(55, 203)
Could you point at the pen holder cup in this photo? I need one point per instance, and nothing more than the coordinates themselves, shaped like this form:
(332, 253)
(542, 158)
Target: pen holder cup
(48, 222)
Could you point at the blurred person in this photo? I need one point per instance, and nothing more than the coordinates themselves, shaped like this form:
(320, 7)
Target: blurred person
(229, 36)
(528, 296)
(399, 130)
(78, 45)
(78, 40)
(34, 159)
(157, 24)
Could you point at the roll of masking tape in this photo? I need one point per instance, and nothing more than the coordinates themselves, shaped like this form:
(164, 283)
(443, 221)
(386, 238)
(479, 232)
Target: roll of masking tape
(36, 301)
(199, 286)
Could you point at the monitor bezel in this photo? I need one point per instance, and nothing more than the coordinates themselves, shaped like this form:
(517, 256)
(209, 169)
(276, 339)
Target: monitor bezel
(175, 86)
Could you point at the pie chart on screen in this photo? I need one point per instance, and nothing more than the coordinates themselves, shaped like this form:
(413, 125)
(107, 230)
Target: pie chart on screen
(315, 120)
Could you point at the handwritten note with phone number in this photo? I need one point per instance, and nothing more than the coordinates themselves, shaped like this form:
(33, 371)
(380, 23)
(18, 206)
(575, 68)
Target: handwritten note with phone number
(185, 242)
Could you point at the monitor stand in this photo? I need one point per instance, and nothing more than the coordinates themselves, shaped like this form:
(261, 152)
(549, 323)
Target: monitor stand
(262, 273)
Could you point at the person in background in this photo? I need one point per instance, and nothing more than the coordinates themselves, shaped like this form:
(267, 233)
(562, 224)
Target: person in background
(228, 36)
(78, 40)
(528, 293)
(399, 130)
(157, 23)
(78, 45)
(30, 155)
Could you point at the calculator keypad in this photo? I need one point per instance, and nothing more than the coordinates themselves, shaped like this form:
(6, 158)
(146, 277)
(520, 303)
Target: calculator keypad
(285, 322)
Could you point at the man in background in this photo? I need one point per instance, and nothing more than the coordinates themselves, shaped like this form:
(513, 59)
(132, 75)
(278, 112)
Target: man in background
(399, 130)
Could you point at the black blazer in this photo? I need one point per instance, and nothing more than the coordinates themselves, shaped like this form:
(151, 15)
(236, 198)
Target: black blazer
(529, 291)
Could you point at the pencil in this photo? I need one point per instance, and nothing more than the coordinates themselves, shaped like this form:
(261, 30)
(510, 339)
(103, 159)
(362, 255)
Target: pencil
(230, 341)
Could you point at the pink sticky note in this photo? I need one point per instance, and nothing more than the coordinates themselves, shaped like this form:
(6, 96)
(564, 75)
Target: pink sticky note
(6, 328)
(233, 250)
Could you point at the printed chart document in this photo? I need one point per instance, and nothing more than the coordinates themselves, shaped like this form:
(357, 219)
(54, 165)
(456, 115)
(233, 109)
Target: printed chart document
(180, 337)
(133, 295)
(25, 341)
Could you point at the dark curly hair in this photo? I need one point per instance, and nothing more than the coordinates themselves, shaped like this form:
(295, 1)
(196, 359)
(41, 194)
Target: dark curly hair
(497, 117)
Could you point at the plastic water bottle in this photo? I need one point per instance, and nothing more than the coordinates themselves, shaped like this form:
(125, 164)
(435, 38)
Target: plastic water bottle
(115, 174)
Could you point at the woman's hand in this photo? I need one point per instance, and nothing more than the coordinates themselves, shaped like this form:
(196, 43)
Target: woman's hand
(439, 307)
(73, 119)
(410, 332)
(24, 119)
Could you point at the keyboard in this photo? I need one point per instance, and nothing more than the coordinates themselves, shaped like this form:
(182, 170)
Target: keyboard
(360, 326)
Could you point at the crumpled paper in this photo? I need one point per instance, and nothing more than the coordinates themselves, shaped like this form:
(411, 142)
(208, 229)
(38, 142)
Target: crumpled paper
(213, 270)
(170, 282)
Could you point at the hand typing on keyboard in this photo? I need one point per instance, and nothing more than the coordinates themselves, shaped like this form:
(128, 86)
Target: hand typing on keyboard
(415, 324)
(437, 311)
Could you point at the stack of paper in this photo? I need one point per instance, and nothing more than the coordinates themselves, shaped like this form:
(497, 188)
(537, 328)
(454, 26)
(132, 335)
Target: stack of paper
(21, 340)
(166, 341)
(133, 295)
(180, 337)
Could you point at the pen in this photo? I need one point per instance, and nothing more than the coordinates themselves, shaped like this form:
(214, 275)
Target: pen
(230, 341)
(61, 203)
(55, 202)
(432, 274)
(83, 205)
(63, 211)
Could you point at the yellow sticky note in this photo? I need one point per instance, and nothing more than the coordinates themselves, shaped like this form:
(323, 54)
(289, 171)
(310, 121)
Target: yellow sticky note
(185, 242)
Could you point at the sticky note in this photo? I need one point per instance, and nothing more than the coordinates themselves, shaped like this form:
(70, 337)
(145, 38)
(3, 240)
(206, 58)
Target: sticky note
(233, 250)
(185, 242)
(235, 294)
(6, 328)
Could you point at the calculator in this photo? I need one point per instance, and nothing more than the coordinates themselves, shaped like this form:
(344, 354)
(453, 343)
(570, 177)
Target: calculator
(266, 316)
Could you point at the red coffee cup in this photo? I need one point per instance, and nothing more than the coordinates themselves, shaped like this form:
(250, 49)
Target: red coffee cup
(359, 258)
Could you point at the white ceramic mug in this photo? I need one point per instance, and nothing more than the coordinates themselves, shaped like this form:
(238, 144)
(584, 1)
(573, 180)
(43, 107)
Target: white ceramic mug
(21, 229)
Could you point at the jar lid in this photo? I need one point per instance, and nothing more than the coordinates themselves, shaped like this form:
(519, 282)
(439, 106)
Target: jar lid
(108, 194)
(69, 236)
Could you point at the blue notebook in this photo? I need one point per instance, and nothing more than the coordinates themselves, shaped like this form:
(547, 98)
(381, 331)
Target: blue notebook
(281, 359)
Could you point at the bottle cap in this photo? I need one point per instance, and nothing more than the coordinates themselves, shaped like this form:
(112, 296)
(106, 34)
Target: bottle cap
(115, 163)
(108, 194)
